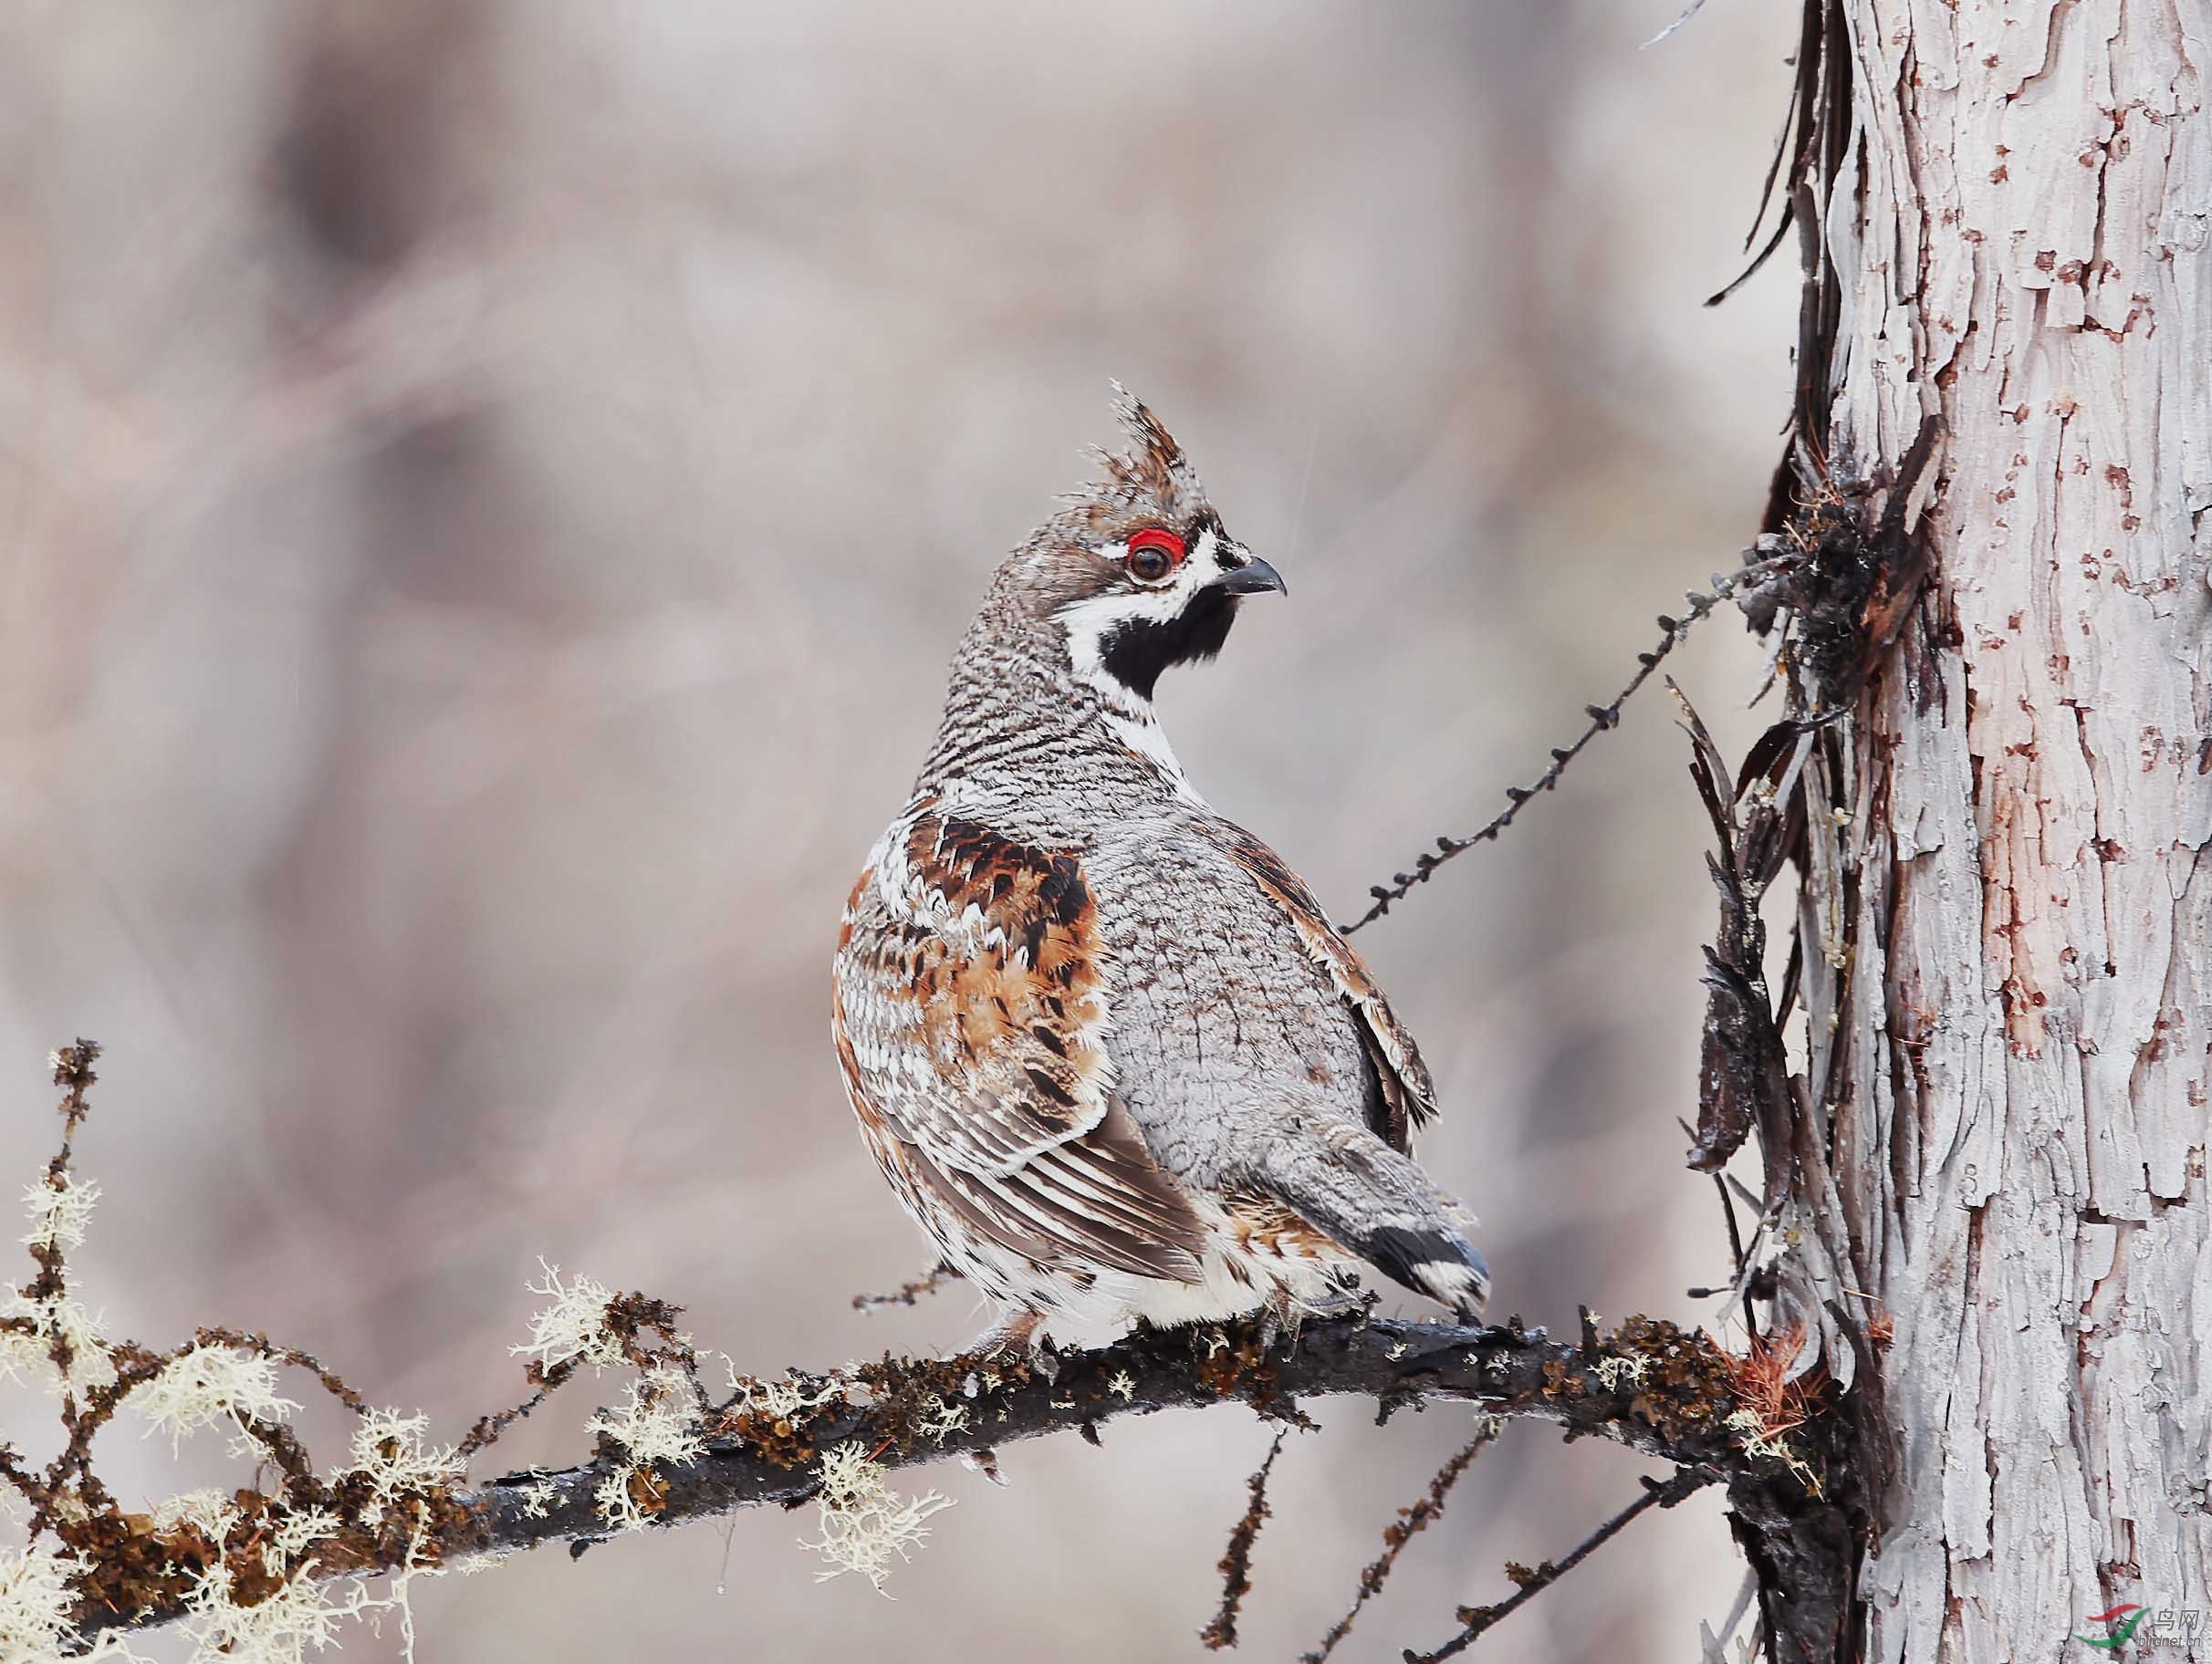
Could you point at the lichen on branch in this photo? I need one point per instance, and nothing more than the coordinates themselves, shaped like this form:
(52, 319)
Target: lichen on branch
(273, 1569)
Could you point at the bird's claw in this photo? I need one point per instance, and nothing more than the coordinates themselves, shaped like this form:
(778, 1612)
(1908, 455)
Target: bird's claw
(1021, 1334)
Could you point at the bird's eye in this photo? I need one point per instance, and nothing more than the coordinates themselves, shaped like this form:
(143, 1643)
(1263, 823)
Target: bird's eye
(1154, 553)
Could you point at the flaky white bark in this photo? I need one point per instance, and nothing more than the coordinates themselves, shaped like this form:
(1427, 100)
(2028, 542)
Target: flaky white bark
(2024, 996)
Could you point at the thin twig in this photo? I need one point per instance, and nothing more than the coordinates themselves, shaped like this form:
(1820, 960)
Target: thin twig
(1237, 1560)
(1657, 1493)
(261, 1346)
(1602, 717)
(1716, 1646)
(1736, 1235)
(1400, 1531)
(1688, 12)
(1720, 295)
(488, 1427)
(907, 1294)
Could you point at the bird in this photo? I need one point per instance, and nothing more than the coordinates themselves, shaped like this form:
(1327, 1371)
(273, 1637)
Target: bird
(1103, 1043)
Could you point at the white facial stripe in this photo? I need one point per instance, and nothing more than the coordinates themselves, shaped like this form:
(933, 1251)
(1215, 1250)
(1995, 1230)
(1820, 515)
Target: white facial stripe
(1090, 621)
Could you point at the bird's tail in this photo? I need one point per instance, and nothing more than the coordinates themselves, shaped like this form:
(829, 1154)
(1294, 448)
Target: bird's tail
(1377, 1203)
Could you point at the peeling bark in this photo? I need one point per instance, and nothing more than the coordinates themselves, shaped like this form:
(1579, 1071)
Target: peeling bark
(2008, 983)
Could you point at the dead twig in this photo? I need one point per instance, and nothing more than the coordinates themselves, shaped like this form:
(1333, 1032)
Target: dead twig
(1401, 1531)
(908, 1294)
(1758, 817)
(1657, 1493)
(1602, 717)
(1236, 1559)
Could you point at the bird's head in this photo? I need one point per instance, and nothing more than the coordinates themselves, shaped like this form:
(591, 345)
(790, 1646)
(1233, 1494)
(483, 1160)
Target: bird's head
(1137, 568)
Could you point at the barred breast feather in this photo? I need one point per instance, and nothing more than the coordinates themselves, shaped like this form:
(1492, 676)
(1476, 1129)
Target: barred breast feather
(972, 1012)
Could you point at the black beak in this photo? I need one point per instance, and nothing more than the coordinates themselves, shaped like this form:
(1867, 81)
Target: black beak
(1256, 577)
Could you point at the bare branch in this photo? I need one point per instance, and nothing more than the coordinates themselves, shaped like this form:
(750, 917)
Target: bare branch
(1401, 1531)
(1602, 717)
(1237, 1560)
(908, 1294)
(1657, 1493)
(1688, 12)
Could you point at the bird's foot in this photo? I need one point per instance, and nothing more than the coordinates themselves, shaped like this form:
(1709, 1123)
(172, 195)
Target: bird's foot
(1019, 1335)
(1281, 1317)
(1345, 1300)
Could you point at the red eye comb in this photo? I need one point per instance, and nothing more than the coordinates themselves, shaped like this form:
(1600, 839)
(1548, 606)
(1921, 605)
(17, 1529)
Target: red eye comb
(1158, 537)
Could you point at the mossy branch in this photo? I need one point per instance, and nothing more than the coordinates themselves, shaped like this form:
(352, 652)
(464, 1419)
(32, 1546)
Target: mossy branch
(1651, 1386)
(249, 1573)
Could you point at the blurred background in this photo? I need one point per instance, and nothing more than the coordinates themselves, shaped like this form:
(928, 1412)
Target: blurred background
(489, 491)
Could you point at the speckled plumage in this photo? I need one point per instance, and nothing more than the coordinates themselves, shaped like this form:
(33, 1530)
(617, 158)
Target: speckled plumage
(1105, 1044)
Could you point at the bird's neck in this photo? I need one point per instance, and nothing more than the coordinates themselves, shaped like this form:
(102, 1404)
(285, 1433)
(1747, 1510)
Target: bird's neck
(1021, 717)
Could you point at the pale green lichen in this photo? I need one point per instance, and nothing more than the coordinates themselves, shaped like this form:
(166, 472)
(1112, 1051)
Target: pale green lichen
(1759, 1440)
(61, 1210)
(205, 1385)
(573, 1328)
(392, 1451)
(865, 1524)
(35, 1599)
(1612, 1371)
(940, 1418)
(617, 1504)
(659, 1419)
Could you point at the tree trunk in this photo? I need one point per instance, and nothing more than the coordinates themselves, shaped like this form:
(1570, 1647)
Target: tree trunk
(2008, 980)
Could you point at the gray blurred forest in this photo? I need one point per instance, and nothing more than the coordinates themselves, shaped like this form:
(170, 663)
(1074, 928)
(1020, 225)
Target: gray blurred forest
(489, 491)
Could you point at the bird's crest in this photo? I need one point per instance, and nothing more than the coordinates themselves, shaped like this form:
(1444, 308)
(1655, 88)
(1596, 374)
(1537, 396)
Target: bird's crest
(1152, 475)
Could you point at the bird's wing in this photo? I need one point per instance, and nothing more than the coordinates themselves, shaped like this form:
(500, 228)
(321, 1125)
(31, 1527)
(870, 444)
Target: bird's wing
(971, 1020)
(1405, 1096)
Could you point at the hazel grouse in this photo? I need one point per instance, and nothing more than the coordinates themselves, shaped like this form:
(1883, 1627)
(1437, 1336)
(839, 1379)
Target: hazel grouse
(1106, 1046)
